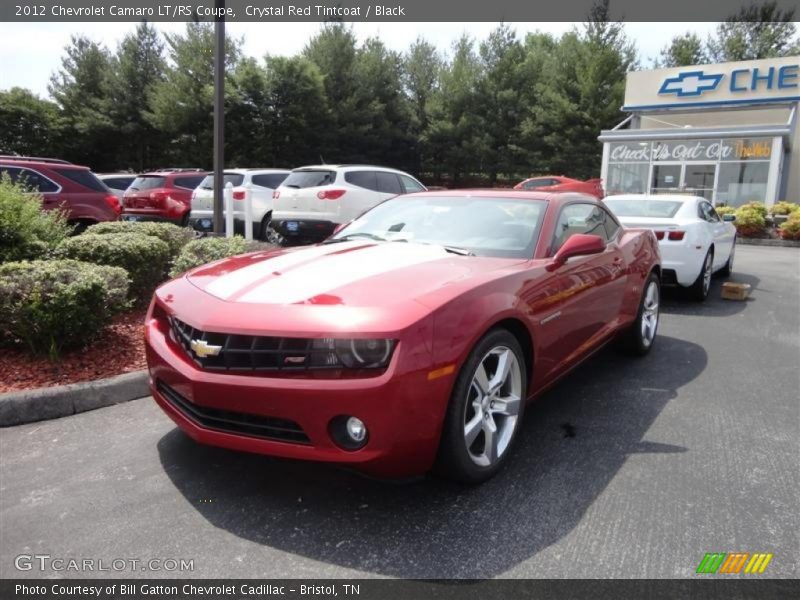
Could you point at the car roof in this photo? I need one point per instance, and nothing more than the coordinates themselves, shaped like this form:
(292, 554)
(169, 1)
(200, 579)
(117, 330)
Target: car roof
(552, 197)
(350, 167)
(107, 175)
(41, 164)
(655, 197)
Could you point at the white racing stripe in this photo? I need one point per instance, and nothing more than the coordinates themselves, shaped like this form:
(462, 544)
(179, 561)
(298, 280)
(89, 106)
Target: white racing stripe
(326, 274)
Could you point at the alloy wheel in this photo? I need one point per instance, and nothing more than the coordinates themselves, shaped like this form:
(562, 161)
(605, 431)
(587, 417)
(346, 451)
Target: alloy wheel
(707, 273)
(650, 313)
(493, 406)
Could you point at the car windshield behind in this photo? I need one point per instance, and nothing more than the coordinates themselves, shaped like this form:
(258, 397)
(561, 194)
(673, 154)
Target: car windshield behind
(232, 178)
(497, 227)
(147, 182)
(309, 178)
(658, 209)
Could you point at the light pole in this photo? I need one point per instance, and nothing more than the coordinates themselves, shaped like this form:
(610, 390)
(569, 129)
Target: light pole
(219, 114)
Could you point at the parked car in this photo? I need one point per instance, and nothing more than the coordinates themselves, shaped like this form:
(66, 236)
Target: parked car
(117, 183)
(414, 336)
(73, 188)
(562, 184)
(695, 241)
(258, 184)
(312, 201)
(164, 195)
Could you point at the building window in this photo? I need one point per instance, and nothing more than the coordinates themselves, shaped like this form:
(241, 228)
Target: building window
(741, 182)
(627, 178)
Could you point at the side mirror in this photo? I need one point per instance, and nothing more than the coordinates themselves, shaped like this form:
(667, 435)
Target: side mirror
(578, 244)
(729, 218)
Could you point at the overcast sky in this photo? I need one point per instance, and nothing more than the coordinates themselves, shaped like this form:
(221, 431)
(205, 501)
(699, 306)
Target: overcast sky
(31, 52)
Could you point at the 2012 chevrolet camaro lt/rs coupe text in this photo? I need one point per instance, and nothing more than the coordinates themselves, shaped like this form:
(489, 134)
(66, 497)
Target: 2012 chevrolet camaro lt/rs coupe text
(411, 338)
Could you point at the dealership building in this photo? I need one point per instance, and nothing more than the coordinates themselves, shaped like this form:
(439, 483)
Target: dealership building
(728, 132)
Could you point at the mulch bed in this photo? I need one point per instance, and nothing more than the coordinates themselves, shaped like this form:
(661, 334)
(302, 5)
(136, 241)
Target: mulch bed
(119, 349)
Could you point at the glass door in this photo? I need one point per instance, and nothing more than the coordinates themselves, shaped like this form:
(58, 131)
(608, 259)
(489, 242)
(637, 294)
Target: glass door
(699, 179)
(666, 178)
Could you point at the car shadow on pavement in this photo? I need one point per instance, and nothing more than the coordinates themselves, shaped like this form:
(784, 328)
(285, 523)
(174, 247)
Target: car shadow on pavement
(676, 301)
(573, 441)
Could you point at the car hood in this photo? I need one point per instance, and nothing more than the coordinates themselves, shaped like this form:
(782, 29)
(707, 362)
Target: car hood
(354, 274)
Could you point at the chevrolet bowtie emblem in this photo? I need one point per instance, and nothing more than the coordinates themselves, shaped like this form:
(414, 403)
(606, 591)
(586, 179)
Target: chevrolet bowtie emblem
(202, 348)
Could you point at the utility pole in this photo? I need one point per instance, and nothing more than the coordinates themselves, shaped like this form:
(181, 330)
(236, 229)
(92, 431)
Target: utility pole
(219, 114)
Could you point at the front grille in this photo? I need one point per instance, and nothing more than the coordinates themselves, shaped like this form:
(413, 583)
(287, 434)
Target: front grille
(229, 421)
(255, 352)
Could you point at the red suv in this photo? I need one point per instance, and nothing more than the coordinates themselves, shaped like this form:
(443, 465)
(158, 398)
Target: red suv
(164, 195)
(61, 184)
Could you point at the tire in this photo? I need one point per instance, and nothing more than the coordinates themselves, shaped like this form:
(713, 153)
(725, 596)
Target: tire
(701, 286)
(727, 270)
(638, 340)
(466, 453)
(264, 230)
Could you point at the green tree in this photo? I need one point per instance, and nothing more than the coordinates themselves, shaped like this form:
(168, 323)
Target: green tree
(247, 126)
(182, 105)
(755, 31)
(137, 68)
(27, 124)
(422, 66)
(80, 88)
(682, 51)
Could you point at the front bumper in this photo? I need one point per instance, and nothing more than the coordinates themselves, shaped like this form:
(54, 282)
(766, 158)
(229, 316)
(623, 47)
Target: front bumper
(402, 409)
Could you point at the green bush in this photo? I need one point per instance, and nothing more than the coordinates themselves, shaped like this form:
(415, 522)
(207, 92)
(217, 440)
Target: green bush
(725, 210)
(750, 222)
(790, 229)
(205, 250)
(758, 207)
(144, 257)
(174, 236)
(785, 208)
(27, 231)
(51, 305)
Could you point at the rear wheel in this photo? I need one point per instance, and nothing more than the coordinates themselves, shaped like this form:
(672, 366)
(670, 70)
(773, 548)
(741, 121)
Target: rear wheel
(727, 270)
(264, 231)
(485, 410)
(638, 340)
(701, 286)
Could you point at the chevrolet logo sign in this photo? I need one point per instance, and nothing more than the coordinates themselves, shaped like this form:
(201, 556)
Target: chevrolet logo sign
(202, 348)
(690, 83)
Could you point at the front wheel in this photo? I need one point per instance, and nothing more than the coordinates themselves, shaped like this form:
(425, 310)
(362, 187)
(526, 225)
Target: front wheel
(485, 410)
(638, 340)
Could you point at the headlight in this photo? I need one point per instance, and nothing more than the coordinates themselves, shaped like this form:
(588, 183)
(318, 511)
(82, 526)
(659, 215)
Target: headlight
(352, 353)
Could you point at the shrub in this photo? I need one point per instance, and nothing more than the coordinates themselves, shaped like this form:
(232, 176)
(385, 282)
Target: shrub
(785, 208)
(749, 222)
(174, 236)
(144, 257)
(51, 305)
(758, 207)
(206, 250)
(790, 229)
(725, 210)
(26, 230)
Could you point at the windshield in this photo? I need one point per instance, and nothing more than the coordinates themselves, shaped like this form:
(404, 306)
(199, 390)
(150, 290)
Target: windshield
(498, 227)
(309, 178)
(659, 209)
(232, 178)
(147, 182)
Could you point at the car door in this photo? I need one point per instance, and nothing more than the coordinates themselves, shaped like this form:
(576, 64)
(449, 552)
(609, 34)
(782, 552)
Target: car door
(720, 233)
(587, 292)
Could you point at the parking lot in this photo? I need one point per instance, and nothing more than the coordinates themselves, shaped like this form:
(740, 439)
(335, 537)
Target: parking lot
(629, 468)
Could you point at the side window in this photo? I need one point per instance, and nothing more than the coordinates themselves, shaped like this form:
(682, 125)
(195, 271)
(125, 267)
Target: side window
(612, 227)
(364, 179)
(410, 185)
(32, 180)
(708, 213)
(388, 183)
(537, 183)
(189, 182)
(579, 218)
(269, 180)
(12, 172)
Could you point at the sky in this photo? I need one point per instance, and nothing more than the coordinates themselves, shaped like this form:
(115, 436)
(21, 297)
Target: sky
(31, 52)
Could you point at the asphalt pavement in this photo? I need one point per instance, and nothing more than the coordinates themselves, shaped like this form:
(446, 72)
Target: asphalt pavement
(629, 468)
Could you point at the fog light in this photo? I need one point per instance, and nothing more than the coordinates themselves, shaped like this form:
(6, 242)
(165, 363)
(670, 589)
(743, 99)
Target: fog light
(349, 433)
(356, 429)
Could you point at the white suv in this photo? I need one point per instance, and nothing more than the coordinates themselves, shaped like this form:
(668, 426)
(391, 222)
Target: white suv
(256, 183)
(312, 201)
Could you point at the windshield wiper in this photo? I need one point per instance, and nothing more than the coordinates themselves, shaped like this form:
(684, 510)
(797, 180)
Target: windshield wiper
(349, 236)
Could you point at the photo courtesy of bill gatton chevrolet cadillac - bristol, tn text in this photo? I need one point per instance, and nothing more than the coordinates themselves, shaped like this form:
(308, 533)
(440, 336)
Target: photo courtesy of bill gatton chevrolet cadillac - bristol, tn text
(409, 340)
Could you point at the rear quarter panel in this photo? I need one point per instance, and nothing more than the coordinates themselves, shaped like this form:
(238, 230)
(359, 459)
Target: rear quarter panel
(641, 255)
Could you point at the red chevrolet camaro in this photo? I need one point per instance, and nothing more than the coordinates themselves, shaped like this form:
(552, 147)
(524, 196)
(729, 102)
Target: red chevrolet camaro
(412, 338)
